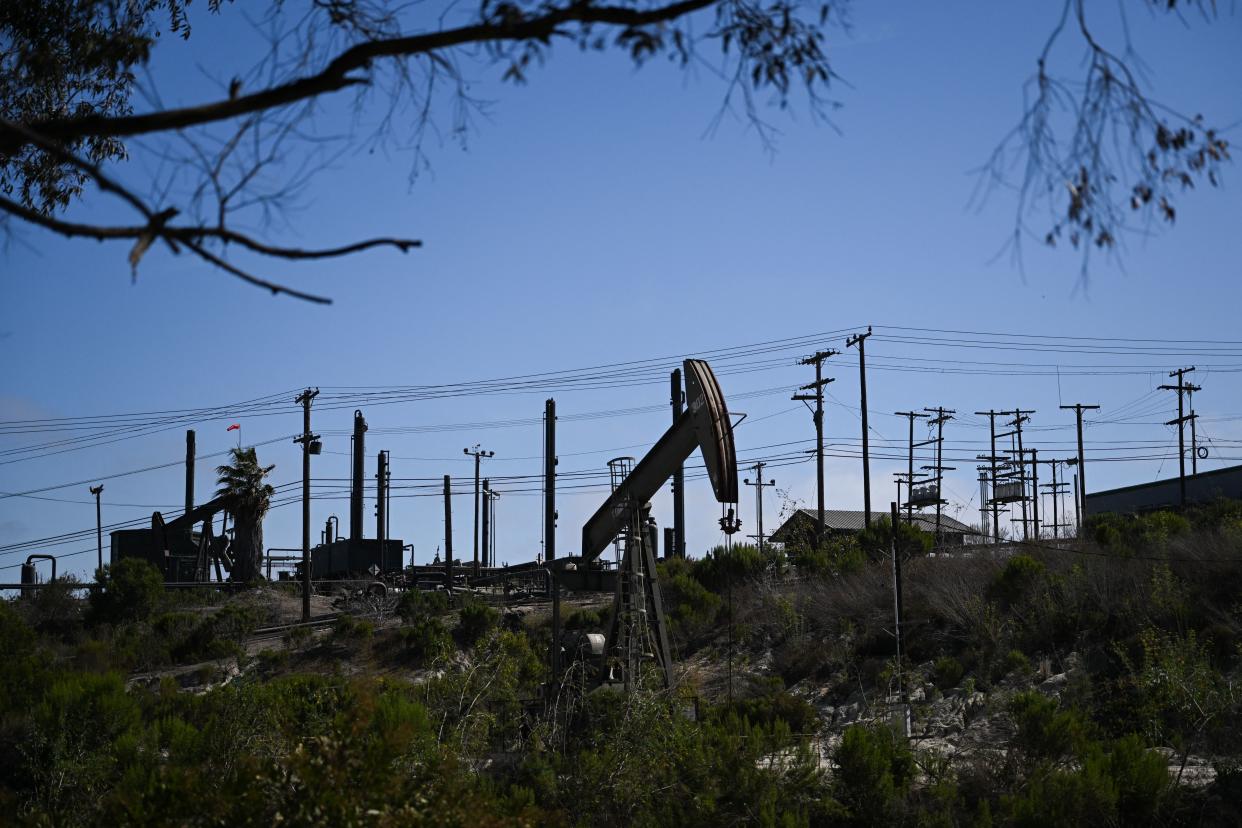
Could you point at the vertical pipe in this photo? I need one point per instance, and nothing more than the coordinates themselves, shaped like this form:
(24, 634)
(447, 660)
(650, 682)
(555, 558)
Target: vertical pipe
(678, 398)
(381, 501)
(487, 520)
(189, 470)
(448, 535)
(549, 527)
(97, 491)
(355, 489)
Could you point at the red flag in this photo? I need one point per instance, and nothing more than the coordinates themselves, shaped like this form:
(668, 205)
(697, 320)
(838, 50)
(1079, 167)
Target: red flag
(234, 427)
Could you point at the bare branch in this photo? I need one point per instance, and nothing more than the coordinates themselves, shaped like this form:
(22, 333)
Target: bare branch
(337, 75)
(157, 227)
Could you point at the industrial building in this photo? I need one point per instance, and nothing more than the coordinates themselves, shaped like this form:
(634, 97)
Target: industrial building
(841, 522)
(1203, 487)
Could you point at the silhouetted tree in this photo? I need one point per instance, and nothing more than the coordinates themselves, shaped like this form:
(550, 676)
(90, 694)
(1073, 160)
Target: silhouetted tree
(69, 69)
(243, 482)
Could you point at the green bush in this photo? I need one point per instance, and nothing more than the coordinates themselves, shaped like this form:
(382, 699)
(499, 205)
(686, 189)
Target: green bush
(474, 619)
(1044, 733)
(876, 541)
(347, 628)
(947, 672)
(132, 592)
(1017, 577)
(1016, 660)
(417, 603)
(427, 639)
(767, 710)
(586, 619)
(874, 768)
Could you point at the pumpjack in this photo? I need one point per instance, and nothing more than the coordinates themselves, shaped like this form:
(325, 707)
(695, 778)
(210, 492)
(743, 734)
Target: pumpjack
(172, 548)
(638, 629)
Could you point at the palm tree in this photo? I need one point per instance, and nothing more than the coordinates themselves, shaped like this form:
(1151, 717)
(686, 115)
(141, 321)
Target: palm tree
(242, 481)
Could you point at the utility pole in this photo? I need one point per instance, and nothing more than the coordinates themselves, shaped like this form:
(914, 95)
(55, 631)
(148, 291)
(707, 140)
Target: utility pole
(817, 359)
(677, 397)
(943, 415)
(1035, 489)
(1055, 489)
(861, 341)
(1180, 388)
(478, 456)
(992, 458)
(491, 544)
(310, 445)
(912, 416)
(97, 491)
(1021, 416)
(448, 534)
(1194, 440)
(759, 485)
(1080, 494)
(487, 522)
(549, 530)
(897, 602)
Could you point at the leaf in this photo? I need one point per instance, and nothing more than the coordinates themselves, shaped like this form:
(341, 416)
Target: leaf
(140, 247)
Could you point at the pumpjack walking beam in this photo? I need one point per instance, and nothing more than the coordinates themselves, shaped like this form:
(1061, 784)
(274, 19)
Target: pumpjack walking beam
(704, 425)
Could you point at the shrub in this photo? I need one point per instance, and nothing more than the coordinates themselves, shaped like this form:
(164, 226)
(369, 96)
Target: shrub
(474, 619)
(583, 619)
(417, 603)
(1017, 660)
(133, 589)
(874, 769)
(1044, 732)
(947, 672)
(767, 710)
(427, 639)
(1016, 578)
(876, 541)
(348, 628)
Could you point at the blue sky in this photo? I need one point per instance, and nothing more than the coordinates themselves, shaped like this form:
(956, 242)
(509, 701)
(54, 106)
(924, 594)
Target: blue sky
(590, 219)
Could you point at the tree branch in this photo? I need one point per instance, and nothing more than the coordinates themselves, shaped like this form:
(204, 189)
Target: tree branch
(336, 75)
(157, 226)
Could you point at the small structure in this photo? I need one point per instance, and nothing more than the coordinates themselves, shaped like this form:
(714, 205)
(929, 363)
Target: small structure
(1203, 487)
(844, 522)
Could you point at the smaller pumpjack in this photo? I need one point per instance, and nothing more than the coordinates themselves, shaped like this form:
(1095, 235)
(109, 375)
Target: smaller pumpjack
(210, 548)
(638, 611)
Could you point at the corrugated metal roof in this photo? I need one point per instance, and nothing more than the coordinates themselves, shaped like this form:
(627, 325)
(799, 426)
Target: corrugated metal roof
(850, 520)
